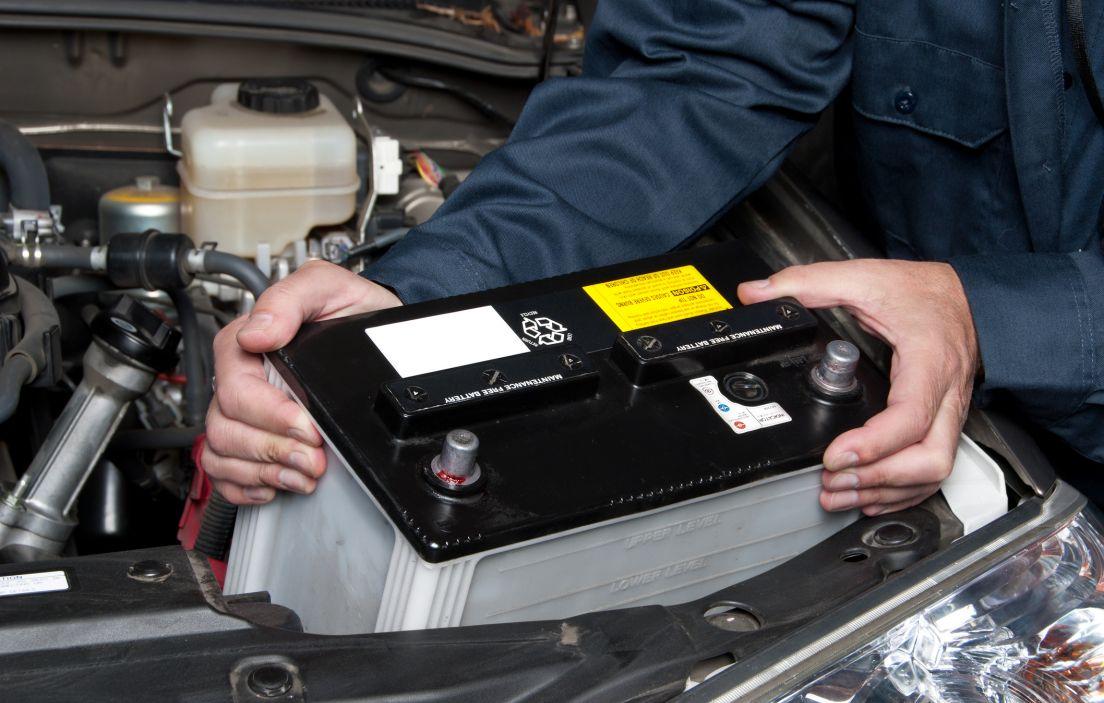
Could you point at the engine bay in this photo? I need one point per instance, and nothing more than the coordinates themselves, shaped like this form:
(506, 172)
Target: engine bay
(612, 438)
(337, 155)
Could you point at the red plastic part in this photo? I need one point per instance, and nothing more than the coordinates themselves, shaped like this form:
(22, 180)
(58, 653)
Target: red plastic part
(199, 493)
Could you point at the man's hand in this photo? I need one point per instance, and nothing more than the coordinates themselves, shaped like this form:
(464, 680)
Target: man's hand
(257, 438)
(900, 456)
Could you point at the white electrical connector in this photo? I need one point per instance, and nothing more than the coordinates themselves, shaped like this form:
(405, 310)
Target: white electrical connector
(387, 165)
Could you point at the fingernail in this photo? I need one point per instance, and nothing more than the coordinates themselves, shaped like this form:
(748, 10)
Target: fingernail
(757, 284)
(301, 434)
(258, 322)
(843, 461)
(843, 500)
(843, 480)
(293, 481)
(259, 493)
(873, 510)
(300, 461)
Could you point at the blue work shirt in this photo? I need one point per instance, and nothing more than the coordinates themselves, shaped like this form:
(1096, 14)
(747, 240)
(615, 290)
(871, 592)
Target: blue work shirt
(970, 149)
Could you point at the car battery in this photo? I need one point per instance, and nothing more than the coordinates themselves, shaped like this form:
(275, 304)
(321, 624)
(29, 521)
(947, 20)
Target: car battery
(622, 436)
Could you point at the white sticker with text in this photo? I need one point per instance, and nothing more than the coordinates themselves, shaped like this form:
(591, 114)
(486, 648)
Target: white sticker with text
(40, 582)
(739, 418)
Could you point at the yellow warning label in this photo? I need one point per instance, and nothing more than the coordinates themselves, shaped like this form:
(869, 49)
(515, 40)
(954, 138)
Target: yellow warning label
(658, 297)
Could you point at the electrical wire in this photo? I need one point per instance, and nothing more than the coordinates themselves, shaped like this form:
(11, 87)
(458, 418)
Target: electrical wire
(548, 45)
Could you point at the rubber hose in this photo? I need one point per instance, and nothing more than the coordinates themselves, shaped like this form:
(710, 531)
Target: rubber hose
(237, 268)
(217, 528)
(14, 374)
(62, 256)
(65, 286)
(24, 170)
(197, 388)
(66, 257)
(27, 358)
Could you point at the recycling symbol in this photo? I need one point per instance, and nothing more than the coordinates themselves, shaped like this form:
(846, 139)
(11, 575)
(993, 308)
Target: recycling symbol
(543, 330)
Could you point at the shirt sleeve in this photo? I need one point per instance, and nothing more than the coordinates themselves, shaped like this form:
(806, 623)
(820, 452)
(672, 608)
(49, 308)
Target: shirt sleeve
(1040, 328)
(683, 108)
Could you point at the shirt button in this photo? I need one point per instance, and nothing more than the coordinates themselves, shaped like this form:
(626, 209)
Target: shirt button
(905, 102)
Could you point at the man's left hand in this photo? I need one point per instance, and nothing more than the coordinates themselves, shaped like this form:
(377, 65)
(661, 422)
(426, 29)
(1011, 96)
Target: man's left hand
(900, 456)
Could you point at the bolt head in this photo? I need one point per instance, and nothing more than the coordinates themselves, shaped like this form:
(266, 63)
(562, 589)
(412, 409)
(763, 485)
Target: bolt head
(269, 681)
(895, 534)
(150, 571)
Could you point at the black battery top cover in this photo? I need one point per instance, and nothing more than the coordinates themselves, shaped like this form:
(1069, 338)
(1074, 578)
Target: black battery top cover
(593, 395)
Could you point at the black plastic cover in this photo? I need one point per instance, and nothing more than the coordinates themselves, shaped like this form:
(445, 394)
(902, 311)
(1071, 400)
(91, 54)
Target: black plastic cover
(132, 330)
(282, 96)
(152, 260)
(608, 438)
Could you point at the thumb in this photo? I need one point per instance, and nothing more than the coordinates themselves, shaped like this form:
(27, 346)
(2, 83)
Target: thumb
(820, 285)
(312, 292)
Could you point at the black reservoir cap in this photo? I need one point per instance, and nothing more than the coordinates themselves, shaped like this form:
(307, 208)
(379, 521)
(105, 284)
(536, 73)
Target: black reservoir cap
(137, 333)
(280, 96)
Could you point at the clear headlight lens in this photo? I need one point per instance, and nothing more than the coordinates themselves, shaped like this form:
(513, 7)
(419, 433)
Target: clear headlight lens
(1031, 629)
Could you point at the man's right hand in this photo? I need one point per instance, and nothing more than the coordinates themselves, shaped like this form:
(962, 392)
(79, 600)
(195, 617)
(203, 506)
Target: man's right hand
(258, 439)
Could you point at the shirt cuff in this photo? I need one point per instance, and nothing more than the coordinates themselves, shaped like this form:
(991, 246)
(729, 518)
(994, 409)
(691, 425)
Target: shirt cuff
(1034, 330)
(417, 268)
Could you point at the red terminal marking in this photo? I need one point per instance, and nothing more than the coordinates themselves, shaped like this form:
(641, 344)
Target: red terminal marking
(739, 425)
(450, 479)
(174, 378)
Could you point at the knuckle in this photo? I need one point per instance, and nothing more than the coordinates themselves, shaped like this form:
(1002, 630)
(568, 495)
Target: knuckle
(217, 439)
(790, 276)
(944, 468)
(876, 476)
(228, 399)
(271, 450)
(939, 465)
(210, 462)
(314, 265)
(287, 411)
(225, 336)
(227, 490)
(871, 496)
(268, 475)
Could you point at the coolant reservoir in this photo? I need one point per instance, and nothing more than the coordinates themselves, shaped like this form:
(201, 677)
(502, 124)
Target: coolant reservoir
(266, 161)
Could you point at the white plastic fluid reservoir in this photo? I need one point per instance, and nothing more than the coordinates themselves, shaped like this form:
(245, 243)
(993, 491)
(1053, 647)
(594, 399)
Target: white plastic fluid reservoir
(266, 161)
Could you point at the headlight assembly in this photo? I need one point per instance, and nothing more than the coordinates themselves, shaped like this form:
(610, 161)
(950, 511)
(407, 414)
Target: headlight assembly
(1030, 629)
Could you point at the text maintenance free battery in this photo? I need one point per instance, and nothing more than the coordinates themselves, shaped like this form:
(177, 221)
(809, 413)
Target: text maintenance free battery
(622, 436)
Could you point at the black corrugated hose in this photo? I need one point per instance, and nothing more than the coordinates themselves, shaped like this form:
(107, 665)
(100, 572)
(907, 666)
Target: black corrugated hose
(217, 527)
(22, 166)
(27, 358)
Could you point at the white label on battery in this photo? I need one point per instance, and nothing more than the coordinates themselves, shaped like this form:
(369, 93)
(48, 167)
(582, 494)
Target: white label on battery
(40, 582)
(769, 414)
(740, 419)
(446, 341)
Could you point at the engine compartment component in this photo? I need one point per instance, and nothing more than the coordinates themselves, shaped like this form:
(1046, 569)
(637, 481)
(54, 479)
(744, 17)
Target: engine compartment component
(606, 447)
(267, 160)
(130, 347)
(146, 204)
